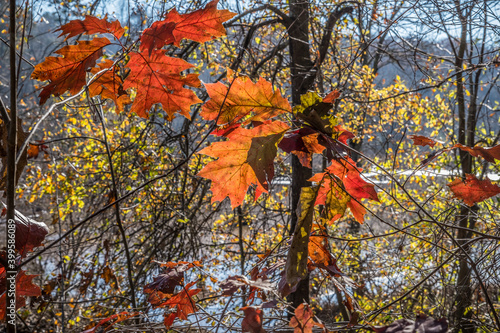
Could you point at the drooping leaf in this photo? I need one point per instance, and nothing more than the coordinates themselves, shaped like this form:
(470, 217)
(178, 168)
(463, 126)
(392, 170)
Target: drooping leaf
(331, 97)
(472, 190)
(68, 73)
(29, 233)
(422, 324)
(245, 159)
(331, 195)
(24, 288)
(253, 320)
(111, 320)
(109, 85)
(296, 262)
(489, 154)
(314, 111)
(320, 255)
(241, 99)
(201, 25)
(157, 79)
(303, 321)
(420, 140)
(91, 25)
(109, 277)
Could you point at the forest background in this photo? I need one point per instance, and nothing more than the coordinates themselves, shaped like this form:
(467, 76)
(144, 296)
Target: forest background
(363, 134)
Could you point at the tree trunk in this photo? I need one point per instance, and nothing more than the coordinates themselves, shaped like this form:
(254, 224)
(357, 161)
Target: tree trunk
(302, 80)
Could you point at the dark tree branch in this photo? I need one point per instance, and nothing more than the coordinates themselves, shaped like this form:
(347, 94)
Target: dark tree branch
(284, 19)
(327, 35)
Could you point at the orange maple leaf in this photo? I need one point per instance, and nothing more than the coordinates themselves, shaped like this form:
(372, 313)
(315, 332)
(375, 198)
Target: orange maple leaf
(303, 321)
(320, 254)
(109, 85)
(69, 71)
(473, 190)
(91, 25)
(243, 97)
(246, 159)
(157, 79)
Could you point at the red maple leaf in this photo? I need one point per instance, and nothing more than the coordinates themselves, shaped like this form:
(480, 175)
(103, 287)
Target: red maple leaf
(157, 79)
(472, 190)
(91, 25)
(69, 71)
(29, 233)
(24, 287)
(242, 98)
(245, 159)
(490, 154)
(182, 302)
(319, 253)
(200, 26)
(420, 140)
(303, 143)
(253, 320)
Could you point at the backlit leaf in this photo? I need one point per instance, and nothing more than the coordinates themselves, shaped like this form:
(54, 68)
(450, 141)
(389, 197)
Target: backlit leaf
(241, 99)
(201, 25)
(472, 190)
(24, 287)
(489, 154)
(109, 85)
(91, 25)
(157, 79)
(245, 159)
(303, 321)
(68, 73)
(296, 262)
(420, 140)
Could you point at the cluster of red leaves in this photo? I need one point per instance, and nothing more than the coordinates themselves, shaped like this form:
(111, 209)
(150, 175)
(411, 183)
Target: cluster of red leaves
(471, 190)
(29, 235)
(342, 187)
(155, 77)
(162, 291)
